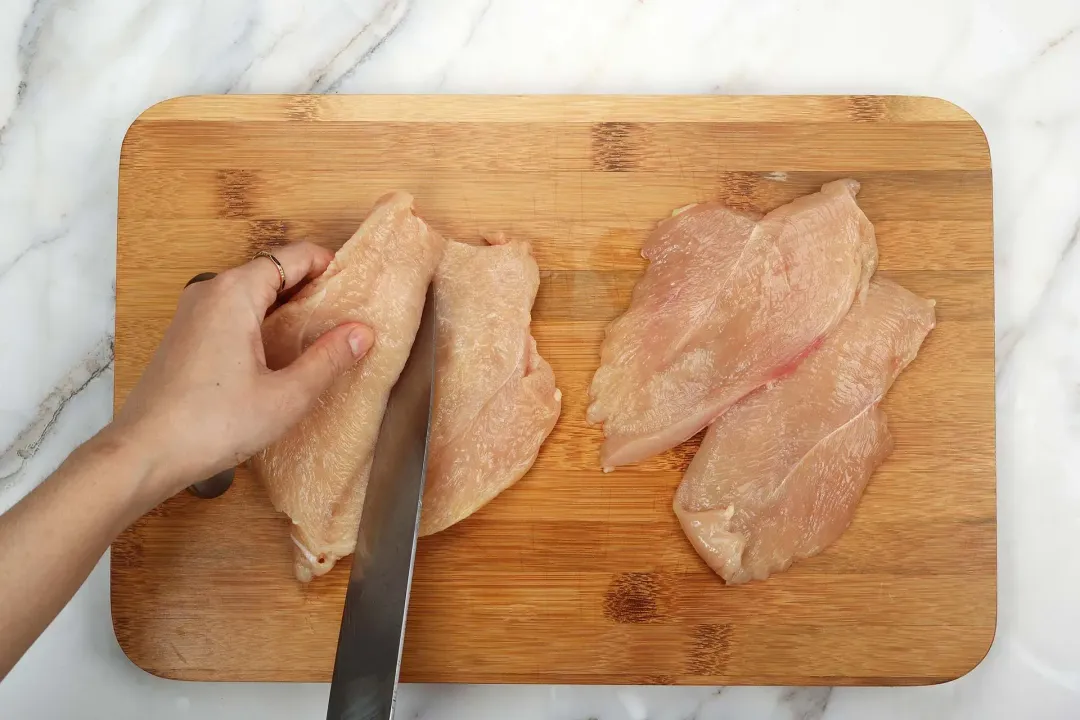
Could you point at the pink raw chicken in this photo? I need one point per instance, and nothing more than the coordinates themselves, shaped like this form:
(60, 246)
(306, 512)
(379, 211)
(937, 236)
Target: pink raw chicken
(318, 472)
(495, 397)
(778, 476)
(730, 301)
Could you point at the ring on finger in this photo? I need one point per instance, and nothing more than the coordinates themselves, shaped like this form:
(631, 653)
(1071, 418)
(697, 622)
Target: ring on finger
(277, 263)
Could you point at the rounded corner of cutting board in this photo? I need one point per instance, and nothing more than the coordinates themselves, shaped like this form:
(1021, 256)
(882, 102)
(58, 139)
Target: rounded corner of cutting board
(961, 114)
(978, 650)
(134, 651)
(125, 618)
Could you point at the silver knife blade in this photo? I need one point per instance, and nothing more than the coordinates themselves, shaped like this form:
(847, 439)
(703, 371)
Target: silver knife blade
(368, 661)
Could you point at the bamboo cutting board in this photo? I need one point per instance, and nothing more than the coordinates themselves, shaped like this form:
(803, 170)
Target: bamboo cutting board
(573, 575)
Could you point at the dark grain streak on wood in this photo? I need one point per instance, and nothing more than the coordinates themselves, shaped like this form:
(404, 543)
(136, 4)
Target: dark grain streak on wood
(615, 146)
(711, 650)
(266, 234)
(867, 108)
(234, 190)
(635, 598)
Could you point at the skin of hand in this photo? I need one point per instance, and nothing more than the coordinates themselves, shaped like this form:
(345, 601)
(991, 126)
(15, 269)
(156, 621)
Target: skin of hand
(207, 400)
(205, 403)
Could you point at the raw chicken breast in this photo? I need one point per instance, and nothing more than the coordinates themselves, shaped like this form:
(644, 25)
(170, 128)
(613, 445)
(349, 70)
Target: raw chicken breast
(778, 476)
(495, 397)
(318, 472)
(728, 303)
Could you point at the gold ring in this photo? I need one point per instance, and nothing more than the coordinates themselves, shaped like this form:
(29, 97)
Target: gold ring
(277, 263)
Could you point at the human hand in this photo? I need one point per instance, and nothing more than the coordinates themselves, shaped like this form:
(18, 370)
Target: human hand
(207, 400)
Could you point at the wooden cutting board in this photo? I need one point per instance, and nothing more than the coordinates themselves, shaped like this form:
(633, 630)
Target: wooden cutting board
(573, 575)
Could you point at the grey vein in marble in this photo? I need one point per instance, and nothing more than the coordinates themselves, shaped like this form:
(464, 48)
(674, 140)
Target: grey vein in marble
(806, 703)
(474, 26)
(1014, 336)
(382, 28)
(24, 56)
(29, 440)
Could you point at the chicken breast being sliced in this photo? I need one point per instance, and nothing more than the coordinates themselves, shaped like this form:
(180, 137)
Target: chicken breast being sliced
(729, 302)
(317, 474)
(778, 476)
(495, 397)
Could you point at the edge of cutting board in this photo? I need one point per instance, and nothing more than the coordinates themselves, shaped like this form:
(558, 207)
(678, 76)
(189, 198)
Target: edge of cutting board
(581, 109)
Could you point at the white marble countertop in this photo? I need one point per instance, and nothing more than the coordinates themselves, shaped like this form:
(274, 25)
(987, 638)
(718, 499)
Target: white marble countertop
(74, 73)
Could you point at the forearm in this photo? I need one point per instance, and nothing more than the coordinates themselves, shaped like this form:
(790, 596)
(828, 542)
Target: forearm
(206, 401)
(51, 540)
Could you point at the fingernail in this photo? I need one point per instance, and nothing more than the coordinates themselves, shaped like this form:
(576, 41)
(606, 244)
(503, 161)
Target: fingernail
(360, 340)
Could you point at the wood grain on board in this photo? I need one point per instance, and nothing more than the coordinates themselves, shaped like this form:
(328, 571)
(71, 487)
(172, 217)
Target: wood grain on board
(573, 575)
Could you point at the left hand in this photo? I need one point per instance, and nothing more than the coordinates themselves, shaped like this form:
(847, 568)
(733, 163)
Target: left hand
(207, 400)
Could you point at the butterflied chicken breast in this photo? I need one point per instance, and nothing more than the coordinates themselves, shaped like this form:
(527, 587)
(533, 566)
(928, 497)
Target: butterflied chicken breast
(729, 302)
(779, 475)
(495, 397)
(317, 474)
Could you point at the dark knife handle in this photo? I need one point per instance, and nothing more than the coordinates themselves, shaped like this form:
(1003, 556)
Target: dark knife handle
(215, 486)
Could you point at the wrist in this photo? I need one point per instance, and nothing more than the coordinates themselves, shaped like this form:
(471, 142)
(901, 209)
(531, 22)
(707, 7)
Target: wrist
(138, 473)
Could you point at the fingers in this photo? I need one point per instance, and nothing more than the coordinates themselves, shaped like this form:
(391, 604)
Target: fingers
(300, 261)
(311, 374)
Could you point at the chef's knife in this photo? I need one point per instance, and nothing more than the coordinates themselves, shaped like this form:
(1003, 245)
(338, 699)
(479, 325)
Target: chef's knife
(368, 658)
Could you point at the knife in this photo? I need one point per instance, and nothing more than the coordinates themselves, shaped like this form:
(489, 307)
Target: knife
(368, 661)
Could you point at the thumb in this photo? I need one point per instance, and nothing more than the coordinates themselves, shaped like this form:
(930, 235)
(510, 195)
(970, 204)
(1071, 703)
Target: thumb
(337, 350)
